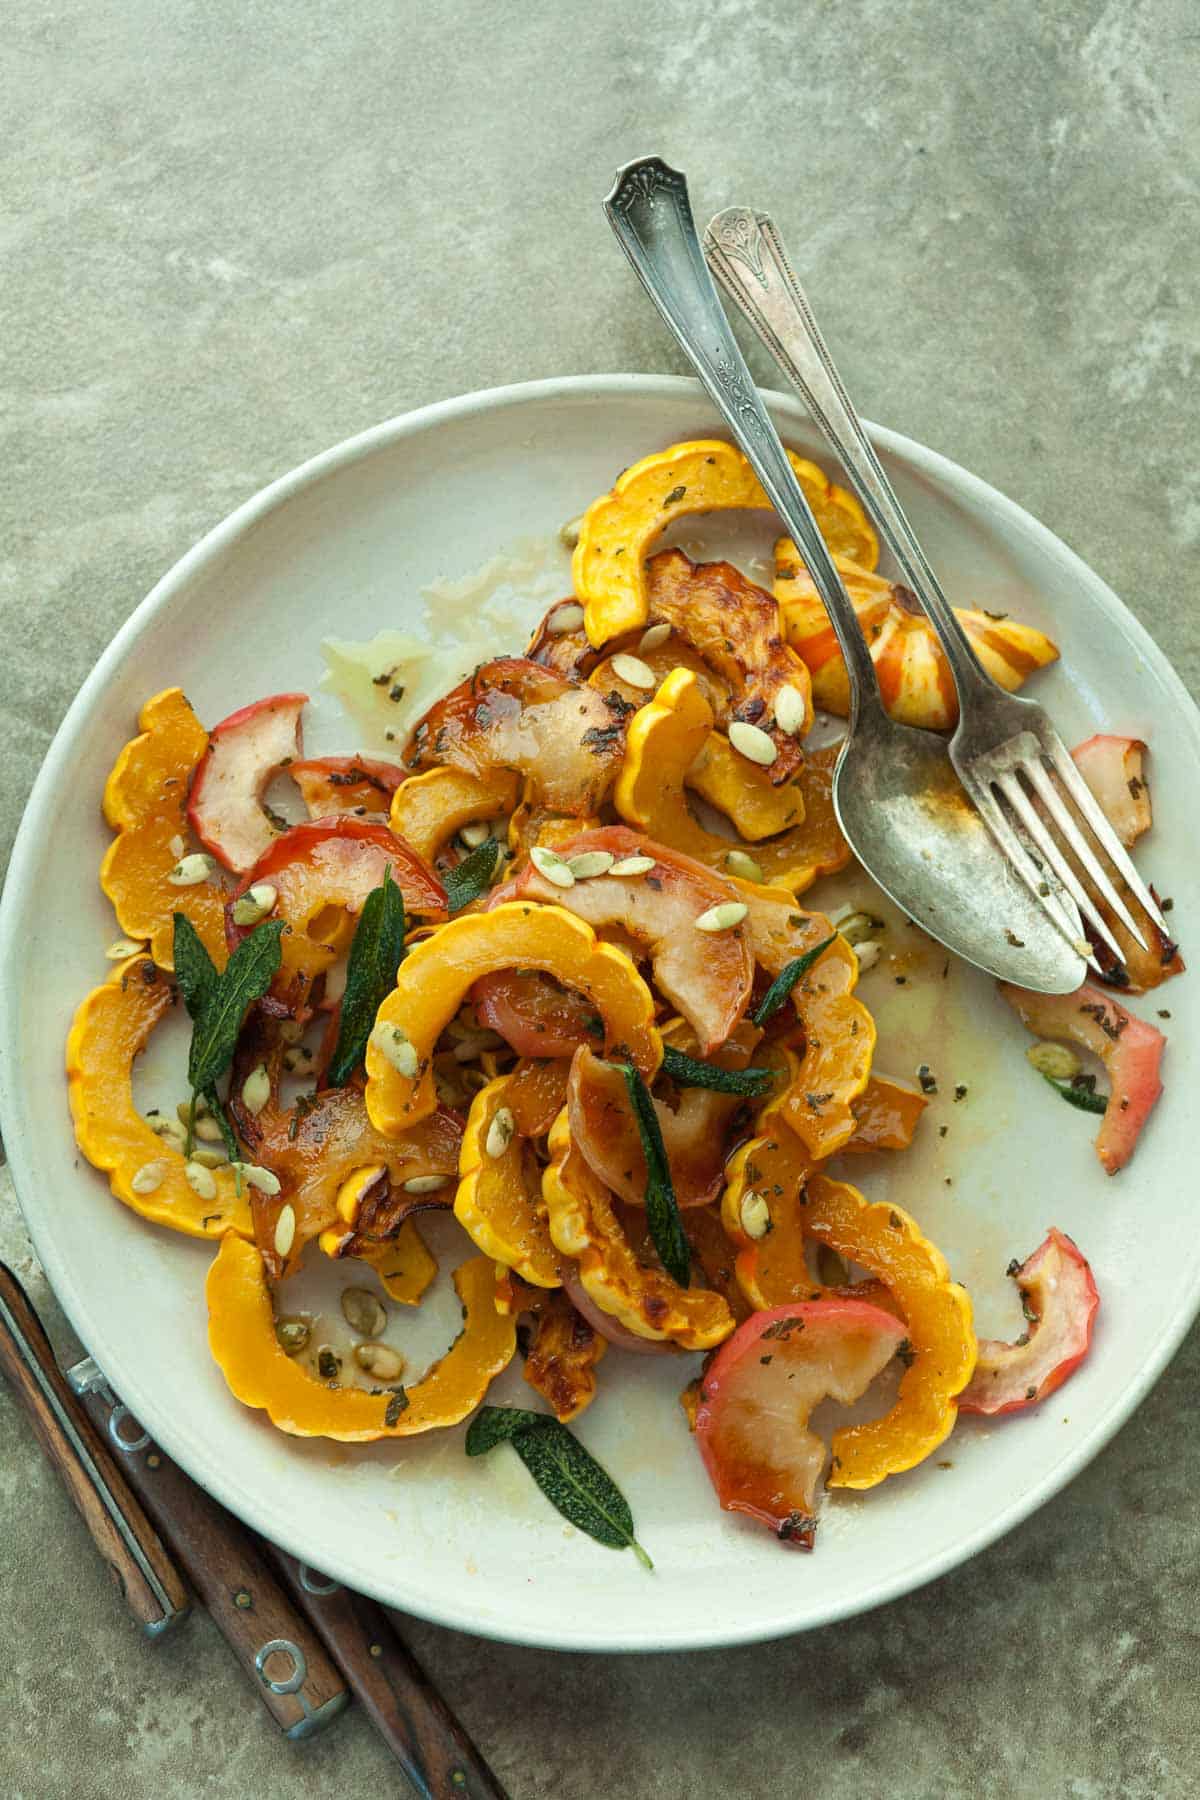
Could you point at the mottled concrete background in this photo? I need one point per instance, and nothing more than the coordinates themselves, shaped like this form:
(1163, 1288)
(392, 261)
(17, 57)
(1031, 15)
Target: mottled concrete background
(232, 235)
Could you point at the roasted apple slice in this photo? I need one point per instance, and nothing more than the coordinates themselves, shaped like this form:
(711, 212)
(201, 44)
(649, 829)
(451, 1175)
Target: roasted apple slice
(1113, 769)
(346, 784)
(1060, 1298)
(757, 1396)
(245, 752)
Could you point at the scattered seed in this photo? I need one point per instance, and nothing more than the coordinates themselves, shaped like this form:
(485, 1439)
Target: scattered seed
(363, 1312)
(475, 834)
(568, 537)
(285, 1230)
(655, 636)
(393, 1045)
(177, 846)
(328, 1364)
(299, 1060)
(379, 1360)
(634, 672)
(590, 862)
(256, 1090)
(632, 865)
(200, 1180)
(790, 710)
(208, 1131)
(755, 1216)
(265, 1180)
(255, 903)
(1054, 1060)
(148, 1178)
(183, 1109)
(868, 954)
(551, 865)
(209, 1159)
(927, 1079)
(500, 1132)
(723, 917)
(752, 742)
(744, 866)
(120, 948)
(170, 1129)
(292, 1333)
(425, 1184)
(857, 926)
(190, 871)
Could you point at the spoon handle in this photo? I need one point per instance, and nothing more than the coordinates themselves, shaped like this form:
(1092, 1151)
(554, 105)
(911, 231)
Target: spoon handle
(746, 253)
(651, 215)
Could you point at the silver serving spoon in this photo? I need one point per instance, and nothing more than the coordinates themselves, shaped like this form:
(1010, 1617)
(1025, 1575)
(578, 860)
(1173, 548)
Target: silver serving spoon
(898, 801)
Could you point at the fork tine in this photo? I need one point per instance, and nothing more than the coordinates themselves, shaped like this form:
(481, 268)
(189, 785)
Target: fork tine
(1043, 837)
(1000, 826)
(1119, 857)
(1058, 808)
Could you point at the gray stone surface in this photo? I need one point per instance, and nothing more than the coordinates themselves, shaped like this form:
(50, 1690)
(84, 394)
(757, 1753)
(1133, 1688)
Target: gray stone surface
(234, 234)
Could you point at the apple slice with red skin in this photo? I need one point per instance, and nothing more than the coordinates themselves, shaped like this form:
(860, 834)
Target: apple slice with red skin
(337, 862)
(245, 752)
(1060, 1297)
(706, 975)
(759, 1391)
(1112, 768)
(1130, 1049)
(346, 784)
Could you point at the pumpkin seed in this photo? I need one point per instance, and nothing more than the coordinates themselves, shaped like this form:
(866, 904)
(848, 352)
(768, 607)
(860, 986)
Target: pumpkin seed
(210, 1159)
(790, 710)
(200, 1180)
(425, 1184)
(394, 1046)
(120, 948)
(632, 865)
(208, 1131)
(744, 866)
(564, 618)
(148, 1178)
(379, 1360)
(723, 917)
(363, 1312)
(265, 1180)
(753, 743)
(256, 1090)
(634, 672)
(568, 536)
(1054, 1061)
(183, 1109)
(191, 870)
(857, 926)
(476, 834)
(285, 1230)
(755, 1215)
(292, 1333)
(501, 1131)
(590, 862)
(328, 1364)
(868, 954)
(169, 1129)
(299, 1060)
(255, 903)
(655, 636)
(551, 865)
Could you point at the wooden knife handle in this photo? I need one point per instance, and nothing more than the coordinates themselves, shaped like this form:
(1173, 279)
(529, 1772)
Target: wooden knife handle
(406, 1709)
(227, 1566)
(139, 1563)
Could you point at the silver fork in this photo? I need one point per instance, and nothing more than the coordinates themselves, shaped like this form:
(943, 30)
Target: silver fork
(1006, 751)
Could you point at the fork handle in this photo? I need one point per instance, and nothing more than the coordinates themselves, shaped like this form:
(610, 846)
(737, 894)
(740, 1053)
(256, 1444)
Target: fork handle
(746, 253)
(651, 215)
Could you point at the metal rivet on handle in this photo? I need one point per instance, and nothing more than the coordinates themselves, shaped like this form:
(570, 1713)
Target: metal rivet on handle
(299, 1674)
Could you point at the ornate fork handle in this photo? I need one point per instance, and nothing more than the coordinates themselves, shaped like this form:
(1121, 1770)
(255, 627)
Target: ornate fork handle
(747, 255)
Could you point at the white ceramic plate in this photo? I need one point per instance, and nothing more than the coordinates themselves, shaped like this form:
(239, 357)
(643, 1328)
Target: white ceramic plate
(342, 545)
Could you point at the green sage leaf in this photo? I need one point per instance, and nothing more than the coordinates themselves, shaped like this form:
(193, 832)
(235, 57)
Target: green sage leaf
(568, 1475)
(473, 876)
(220, 1010)
(375, 954)
(689, 1072)
(1079, 1092)
(786, 980)
(662, 1208)
(195, 970)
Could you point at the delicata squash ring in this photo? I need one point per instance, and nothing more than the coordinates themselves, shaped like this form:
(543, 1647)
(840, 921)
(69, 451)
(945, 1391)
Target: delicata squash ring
(703, 476)
(435, 977)
(428, 809)
(111, 1028)
(241, 1336)
(499, 1198)
(145, 802)
(644, 1300)
(664, 739)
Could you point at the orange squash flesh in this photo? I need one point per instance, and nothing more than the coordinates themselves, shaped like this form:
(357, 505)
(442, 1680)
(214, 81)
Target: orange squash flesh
(499, 1198)
(561, 1358)
(428, 809)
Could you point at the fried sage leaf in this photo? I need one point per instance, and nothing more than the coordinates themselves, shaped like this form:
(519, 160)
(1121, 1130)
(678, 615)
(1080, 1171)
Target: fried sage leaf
(662, 1208)
(217, 1002)
(375, 954)
(786, 980)
(688, 1071)
(1080, 1091)
(473, 876)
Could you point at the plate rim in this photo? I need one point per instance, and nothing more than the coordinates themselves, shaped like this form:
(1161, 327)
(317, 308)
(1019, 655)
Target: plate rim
(943, 472)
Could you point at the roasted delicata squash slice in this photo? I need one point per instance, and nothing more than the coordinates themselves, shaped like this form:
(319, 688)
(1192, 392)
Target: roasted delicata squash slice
(400, 1256)
(428, 809)
(663, 741)
(563, 1349)
(745, 793)
(499, 1198)
(146, 1172)
(914, 676)
(642, 1298)
(259, 1373)
(702, 476)
(146, 802)
(435, 977)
